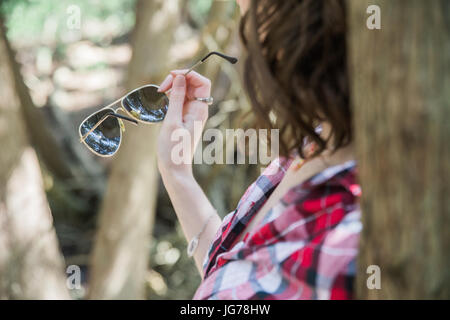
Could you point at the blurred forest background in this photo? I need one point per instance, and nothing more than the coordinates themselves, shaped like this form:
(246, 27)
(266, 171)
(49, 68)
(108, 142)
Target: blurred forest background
(112, 217)
(61, 206)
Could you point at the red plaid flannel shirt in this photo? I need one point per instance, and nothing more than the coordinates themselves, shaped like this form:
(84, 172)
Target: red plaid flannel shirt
(305, 248)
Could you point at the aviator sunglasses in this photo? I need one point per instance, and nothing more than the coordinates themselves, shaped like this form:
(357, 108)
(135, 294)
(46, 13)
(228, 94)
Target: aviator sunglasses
(102, 131)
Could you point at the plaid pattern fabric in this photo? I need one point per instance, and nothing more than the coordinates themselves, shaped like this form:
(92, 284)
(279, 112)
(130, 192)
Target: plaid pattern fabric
(305, 247)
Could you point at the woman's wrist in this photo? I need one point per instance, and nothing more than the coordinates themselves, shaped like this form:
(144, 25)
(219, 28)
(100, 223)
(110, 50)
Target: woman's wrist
(173, 177)
(171, 171)
(193, 210)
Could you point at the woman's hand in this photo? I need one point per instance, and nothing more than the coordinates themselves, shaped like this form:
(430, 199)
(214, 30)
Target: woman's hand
(191, 205)
(176, 141)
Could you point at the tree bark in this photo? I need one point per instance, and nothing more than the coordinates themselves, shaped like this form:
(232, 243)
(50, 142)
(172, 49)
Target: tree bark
(31, 266)
(401, 98)
(58, 149)
(120, 257)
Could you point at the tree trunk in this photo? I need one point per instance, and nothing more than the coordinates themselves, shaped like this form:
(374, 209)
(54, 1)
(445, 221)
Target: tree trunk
(401, 98)
(120, 257)
(31, 266)
(58, 149)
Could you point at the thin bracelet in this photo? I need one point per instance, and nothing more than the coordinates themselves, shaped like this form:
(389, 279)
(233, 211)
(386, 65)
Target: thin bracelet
(193, 244)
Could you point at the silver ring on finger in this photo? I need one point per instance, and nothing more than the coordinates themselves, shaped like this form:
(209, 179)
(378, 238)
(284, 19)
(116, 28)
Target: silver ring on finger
(209, 101)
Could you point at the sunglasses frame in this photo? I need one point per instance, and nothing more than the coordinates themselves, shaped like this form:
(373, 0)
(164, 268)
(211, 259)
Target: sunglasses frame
(135, 90)
(134, 120)
(83, 138)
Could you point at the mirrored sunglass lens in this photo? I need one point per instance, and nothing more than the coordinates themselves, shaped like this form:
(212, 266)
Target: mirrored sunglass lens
(147, 104)
(105, 139)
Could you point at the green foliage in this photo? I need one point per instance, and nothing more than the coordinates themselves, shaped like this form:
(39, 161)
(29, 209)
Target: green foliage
(27, 19)
(198, 9)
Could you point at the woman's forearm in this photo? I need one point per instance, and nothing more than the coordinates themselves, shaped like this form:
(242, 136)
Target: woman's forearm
(184, 112)
(194, 210)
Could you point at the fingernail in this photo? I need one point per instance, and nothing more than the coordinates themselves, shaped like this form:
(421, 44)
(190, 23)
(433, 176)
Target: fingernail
(179, 82)
(164, 83)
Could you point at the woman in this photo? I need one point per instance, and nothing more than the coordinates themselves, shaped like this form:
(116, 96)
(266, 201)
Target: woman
(295, 232)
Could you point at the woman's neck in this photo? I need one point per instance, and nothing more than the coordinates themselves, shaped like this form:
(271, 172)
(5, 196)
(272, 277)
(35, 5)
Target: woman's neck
(341, 155)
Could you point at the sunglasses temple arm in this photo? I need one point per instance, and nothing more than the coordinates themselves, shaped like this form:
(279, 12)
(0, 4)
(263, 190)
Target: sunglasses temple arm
(124, 118)
(193, 67)
(231, 60)
(103, 119)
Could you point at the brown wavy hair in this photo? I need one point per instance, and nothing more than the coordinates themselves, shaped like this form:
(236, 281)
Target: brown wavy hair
(296, 70)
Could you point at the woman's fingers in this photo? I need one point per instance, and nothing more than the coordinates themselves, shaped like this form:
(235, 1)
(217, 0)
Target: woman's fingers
(166, 84)
(176, 101)
(184, 88)
(198, 86)
(194, 78)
